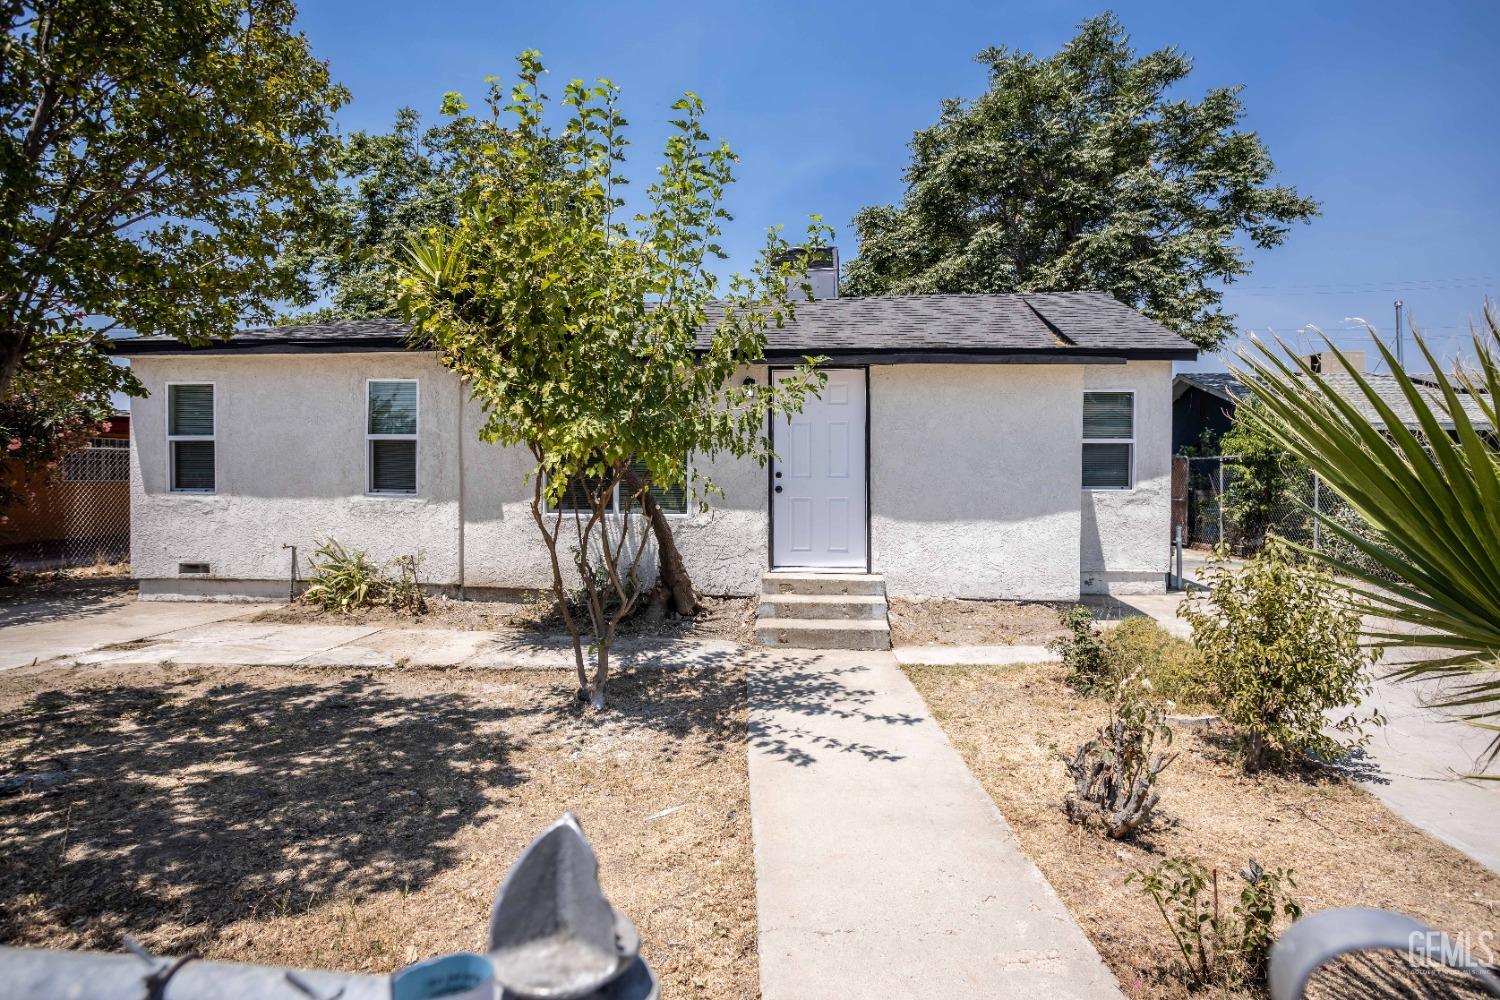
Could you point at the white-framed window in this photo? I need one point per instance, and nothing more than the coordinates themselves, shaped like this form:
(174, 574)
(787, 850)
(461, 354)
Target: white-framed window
(391, 436)
(1108, 440)
(190, 437)
(575, 498)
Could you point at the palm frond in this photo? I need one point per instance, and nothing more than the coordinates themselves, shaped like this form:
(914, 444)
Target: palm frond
(1429, 494)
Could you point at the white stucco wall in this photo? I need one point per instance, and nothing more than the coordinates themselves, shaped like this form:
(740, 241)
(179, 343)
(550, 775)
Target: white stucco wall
(974, 479)
(723, 548)
(290, 466)
(974, 483)
(290, 469)
(1126, 533)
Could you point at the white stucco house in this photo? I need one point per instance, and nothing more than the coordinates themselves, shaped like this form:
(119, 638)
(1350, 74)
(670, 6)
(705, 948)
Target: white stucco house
(977, 446)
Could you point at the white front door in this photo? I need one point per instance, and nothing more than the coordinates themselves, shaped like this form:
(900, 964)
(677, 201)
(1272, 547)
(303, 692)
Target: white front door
(818, 479)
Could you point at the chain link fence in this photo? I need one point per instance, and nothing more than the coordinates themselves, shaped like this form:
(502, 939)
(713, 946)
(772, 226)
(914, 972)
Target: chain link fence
(75, 515)
(1242, 506)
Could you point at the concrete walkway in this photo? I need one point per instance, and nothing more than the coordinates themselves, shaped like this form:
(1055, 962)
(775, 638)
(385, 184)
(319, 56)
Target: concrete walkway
(29, 635)
(1421, 758)
(376, 647)
(145, 633)
(882, 867)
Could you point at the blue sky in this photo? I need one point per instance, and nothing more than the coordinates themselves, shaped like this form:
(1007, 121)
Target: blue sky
(1383, 111)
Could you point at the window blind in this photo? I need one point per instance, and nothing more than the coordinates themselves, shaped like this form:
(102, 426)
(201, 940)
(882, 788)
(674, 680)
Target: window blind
(1108, 440)
(190, 410)
(393, 466)
(393, 408)
(1108, 415)
(1106, 466)
(193, 465)
(576, 497)
(671, 500)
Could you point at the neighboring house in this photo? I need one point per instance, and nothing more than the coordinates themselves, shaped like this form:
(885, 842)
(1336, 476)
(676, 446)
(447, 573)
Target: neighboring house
(980, 446)
(77, 513)
(1206, 401)
(1203, 403)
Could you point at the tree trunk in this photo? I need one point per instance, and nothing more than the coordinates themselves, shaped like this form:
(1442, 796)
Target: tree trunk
(600, 678)
(12, 353)
(1257, 750)
(672, 576)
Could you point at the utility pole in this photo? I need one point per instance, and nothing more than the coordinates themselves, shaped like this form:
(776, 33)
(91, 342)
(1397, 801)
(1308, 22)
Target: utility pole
(1400, 347)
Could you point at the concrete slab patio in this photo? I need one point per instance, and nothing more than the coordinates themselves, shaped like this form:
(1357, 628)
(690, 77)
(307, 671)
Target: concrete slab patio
(882, 866)
(60, 628)
(376, 648)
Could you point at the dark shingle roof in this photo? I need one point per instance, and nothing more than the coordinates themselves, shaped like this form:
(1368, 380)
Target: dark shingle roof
(1055, 324)
(1227, 387)
(1221, 384)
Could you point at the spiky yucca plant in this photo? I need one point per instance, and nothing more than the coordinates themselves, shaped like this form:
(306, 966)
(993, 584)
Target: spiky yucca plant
(1430, 494)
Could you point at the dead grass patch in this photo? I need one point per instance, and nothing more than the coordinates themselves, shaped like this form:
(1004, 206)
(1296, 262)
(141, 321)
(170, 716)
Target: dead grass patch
(731, 618)
(345, 820)
(948, 622)
(1345, 847)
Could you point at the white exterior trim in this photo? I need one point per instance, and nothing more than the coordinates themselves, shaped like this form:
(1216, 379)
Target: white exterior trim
(172, 438)
(1130, 472)
(614, 500)
(416, 439)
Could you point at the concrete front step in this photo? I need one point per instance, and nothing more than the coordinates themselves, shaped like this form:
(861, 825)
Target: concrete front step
(824, 633)
(852, 584)
(845, 606)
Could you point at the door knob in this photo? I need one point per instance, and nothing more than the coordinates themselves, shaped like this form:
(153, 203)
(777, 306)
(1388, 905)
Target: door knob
(778, 474)
(778, 489)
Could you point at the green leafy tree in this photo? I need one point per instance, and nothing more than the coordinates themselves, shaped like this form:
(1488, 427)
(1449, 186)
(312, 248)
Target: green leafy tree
(1078, 171)
(1428, 551)
(1280, 652)
(390, 187)
(49, 412)
(576, 328)
(1266, 480)
(155, 158)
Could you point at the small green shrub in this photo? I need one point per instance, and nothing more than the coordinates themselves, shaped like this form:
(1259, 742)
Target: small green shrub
(1099, 660)
(1114, 774)
(344, 580)
(1139, 646)
(1081, 650)
(1281, 649)
(404, 592)
(1220, 949)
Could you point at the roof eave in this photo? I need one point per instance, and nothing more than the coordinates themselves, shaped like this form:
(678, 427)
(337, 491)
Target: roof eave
(981, 356)
(901, 355)
(323, 345)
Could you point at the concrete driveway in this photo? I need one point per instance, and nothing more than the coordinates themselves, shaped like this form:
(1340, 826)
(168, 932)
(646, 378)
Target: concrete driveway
(1423, 757)
(72, 620)
(1418, 763)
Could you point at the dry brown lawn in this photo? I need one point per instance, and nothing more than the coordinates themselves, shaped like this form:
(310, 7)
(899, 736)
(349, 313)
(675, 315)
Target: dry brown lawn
(361, 821)
(1345, 848)
(731, 618)
(948, 622)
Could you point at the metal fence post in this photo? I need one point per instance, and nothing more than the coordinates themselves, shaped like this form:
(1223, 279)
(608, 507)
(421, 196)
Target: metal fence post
(1180, 584)
(1221, 501)
(1317, 509)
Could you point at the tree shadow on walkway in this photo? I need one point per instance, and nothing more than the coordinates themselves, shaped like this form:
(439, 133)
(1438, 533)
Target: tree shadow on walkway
(807, 686)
